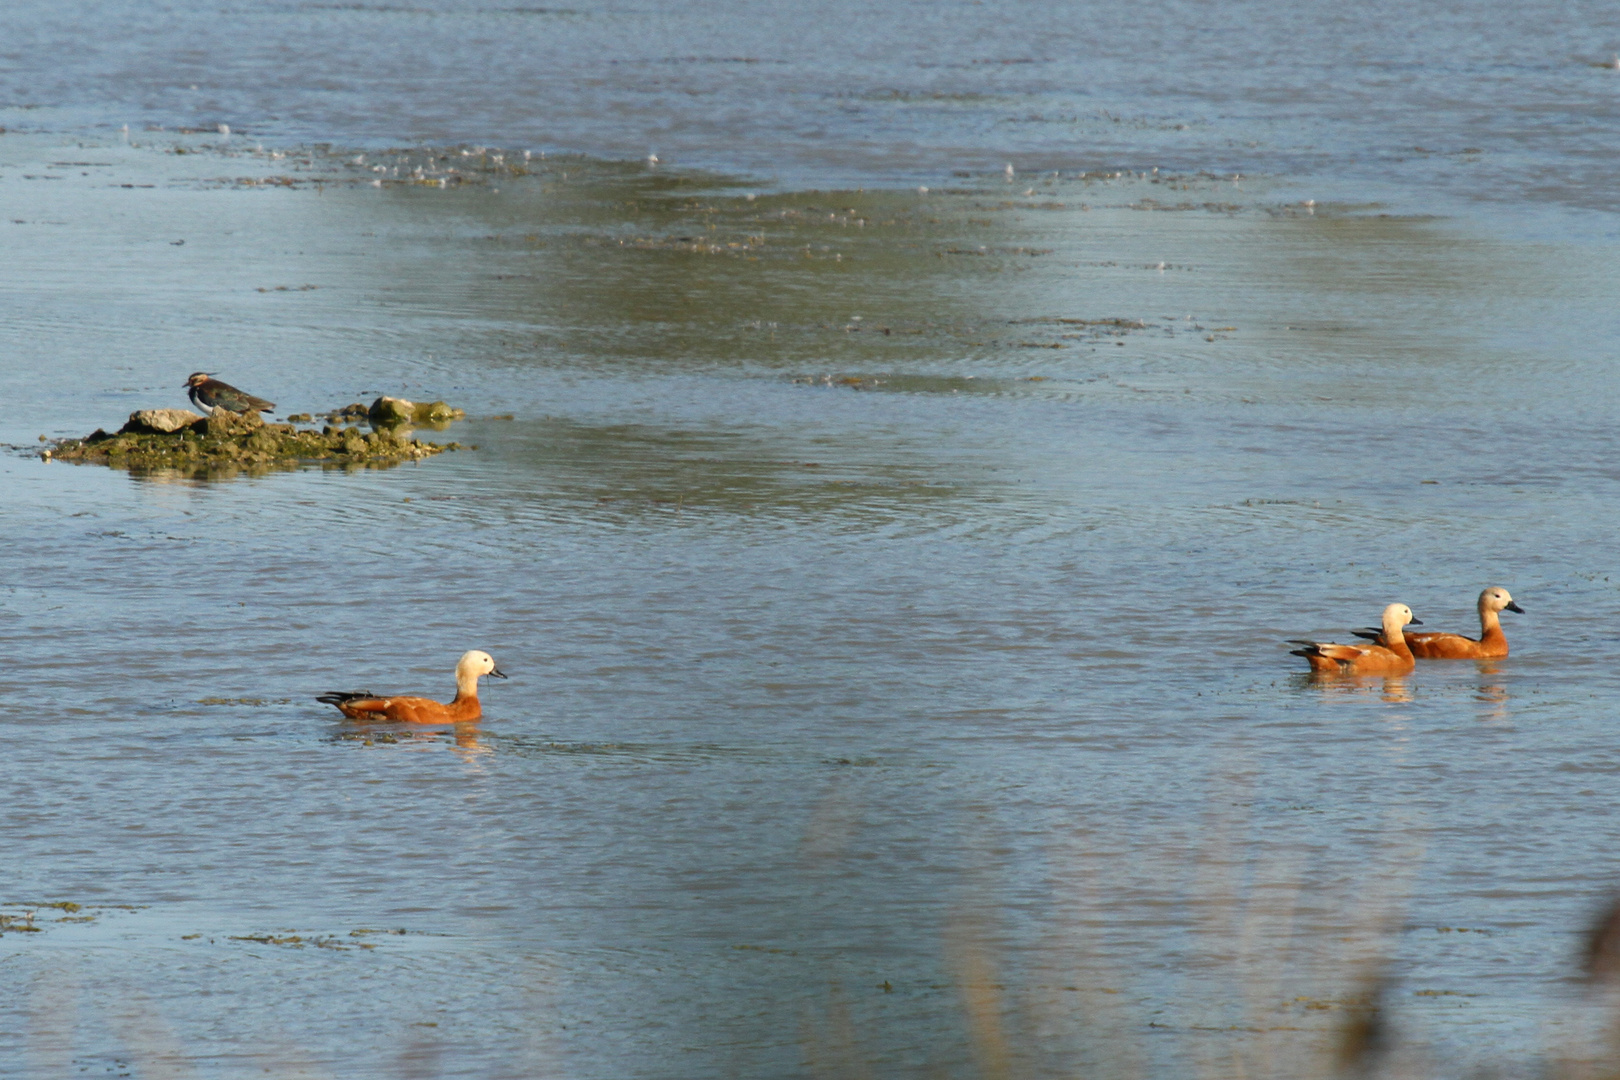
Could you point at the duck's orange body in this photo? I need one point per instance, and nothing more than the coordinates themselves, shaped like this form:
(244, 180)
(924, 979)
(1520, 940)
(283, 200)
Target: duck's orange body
(1492, 643)
(1390, 656)
(412, 710)
(364, 705)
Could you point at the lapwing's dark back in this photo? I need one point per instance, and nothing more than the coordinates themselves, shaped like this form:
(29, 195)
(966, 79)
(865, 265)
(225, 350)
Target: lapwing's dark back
(207, 392)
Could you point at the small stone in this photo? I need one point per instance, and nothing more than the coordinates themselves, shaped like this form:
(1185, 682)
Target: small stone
(159, 421)
(222, 424)
(436, 412)
(391, 411)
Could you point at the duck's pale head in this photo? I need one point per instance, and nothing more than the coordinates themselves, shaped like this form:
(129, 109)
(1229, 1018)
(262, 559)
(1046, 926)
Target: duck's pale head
(476, 663)
(1399, 615)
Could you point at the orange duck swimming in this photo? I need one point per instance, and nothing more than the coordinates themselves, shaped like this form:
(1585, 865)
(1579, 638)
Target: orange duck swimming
(1492, 643)
(364, 705)
(1389, 657)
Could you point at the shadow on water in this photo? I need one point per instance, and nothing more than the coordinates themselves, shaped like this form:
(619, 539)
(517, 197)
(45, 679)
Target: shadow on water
(753, 470)
(625, 269)
(681, 274)
(207, 474)
(487, 740)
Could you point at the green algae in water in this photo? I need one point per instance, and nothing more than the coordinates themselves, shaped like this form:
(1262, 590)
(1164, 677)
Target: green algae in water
(37, 918)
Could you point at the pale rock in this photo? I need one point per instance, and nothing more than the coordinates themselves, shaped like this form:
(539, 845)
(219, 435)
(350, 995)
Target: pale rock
(391, 411)
(159, 421)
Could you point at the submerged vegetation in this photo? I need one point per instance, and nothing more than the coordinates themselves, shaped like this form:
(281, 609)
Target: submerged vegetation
(39, 916)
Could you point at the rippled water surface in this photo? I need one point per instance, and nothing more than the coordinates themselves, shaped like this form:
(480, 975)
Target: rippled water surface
(1507, 102)
(894, 583)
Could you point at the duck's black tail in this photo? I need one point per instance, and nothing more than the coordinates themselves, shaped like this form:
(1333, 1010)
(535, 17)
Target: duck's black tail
(343, 697)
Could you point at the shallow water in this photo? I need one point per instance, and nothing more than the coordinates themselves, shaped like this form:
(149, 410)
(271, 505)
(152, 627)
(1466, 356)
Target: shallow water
(1506, 102)
(894, 584)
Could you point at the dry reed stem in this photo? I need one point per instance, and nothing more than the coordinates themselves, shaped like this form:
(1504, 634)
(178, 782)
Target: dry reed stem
(53, 1014)
(1249, 909)
(1095, 1006)
(151, 1042)
(832, 1049)
(981, 999)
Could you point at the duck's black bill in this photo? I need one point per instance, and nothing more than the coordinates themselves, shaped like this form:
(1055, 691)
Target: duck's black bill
(498, 673)
(1515, 607)
(1415, 622)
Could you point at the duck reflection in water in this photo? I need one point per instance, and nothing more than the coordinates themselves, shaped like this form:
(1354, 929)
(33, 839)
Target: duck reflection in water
(1396, 690)
(463, 740)
(1390, 688)
(469, 748)
(1492, 691)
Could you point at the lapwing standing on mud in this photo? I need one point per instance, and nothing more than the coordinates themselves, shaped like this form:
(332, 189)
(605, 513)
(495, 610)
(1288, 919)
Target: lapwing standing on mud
(207, 392)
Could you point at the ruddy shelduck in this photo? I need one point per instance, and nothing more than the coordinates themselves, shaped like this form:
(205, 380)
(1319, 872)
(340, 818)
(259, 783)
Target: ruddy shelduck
(1492, 643)
(364, 705)
(1389, 657)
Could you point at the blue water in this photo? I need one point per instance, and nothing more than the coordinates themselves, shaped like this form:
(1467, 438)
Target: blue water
(905, 703)
(1495, 101)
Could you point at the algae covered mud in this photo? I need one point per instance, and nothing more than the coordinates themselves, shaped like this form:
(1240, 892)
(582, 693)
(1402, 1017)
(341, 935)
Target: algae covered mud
(895, 585)
(179, 441)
